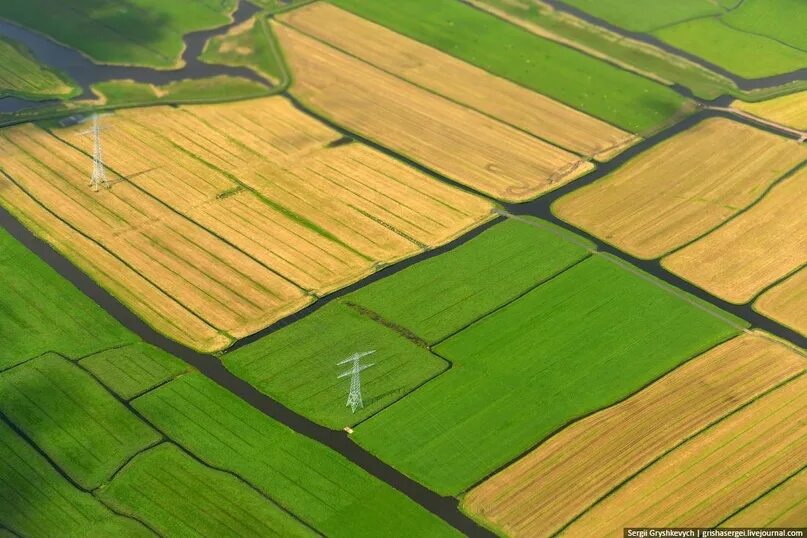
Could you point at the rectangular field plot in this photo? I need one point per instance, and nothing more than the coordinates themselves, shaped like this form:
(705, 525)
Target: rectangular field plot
(786, 302)
(462, 82)
(42, 312)
(38, 501)
(550, 486)
(297, 365)
(583, 340)
(784, 506)
(752, 251)
(790, 110)
(131, 370)
(456, 141)
(716, 473)
(72, 418)
(681, 188)
(222, 219)
(438, 297)
(323, 489)
(202, 501)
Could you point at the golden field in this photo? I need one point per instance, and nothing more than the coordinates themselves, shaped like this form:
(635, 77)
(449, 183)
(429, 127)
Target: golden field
(716, 473)
(462, 144)
(216, 212)
(790, 110)
(547, 488)
(682, 188)
(459, 81)
(753, 250)
(785, 506)
(786, 302)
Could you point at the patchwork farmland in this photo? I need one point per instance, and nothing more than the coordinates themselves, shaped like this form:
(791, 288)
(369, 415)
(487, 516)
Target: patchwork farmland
(551, 486)
(790, 110)
(189, 194)
(682, 188)
(786, 301)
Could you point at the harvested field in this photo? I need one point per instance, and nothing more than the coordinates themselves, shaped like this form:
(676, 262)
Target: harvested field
(72, 418)
(790, 110)
(134, 369)
(458, 142)
(681, 188)
(459, 81)
(251, 193)
(530, 367)
(787, 302)
(784, 506)
(550, 486)
(202, 501)
(755, 249)
(759, 447)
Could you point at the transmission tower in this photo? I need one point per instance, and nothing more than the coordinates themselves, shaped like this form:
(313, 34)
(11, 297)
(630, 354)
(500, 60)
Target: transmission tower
(354, 400)
(98, 176)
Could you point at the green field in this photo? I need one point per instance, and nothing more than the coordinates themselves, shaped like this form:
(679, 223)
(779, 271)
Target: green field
(219, 88)
(128, 32)
(132, 370)
(38, 501)
(202, 501)
(329, 493)
(438, 297)
(72, 418)
(297, 365)
(622, 98)
(748, 55)
(582, 341)
(42, 312)
(646, 15)
(21, 75)
(783, 20)
(250, 45)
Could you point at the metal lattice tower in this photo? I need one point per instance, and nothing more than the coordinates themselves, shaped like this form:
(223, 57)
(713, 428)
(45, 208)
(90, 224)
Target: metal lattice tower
(354, 400)
(98, 176)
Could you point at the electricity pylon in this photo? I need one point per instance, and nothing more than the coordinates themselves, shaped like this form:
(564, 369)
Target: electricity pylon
(98, 176)
(354, 400)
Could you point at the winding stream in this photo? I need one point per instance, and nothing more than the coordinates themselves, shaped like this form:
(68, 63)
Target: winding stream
(85, 72)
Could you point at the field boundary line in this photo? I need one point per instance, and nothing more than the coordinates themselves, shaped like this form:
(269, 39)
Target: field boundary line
(778, 281)
(664, 454)
(26, 218)
(759, 199)
(763, 495)
(758, 34)
(583, 157)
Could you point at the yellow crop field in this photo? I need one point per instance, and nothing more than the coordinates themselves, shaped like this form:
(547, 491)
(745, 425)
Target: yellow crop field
(460, 143)
(216, 213)
(787, 302)
(715, 474)
(682, 187)
(562, 478)
(785, 506)
(758, 247)
(445, 75)
(790, 110)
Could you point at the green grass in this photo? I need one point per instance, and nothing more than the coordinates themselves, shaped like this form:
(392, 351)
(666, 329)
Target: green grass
(72, 418)
(253, 47)
(297, 365)
(582, 341)
(646, 15)
(42, 312)
(325, 490)
(178, 496)
(276, 6)
(622, 98)
(128, 32)
(219, 88)
(21, 75)
(747, 55)
(132, 370)
(38, 501)
(784, 20)
(438, 297)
